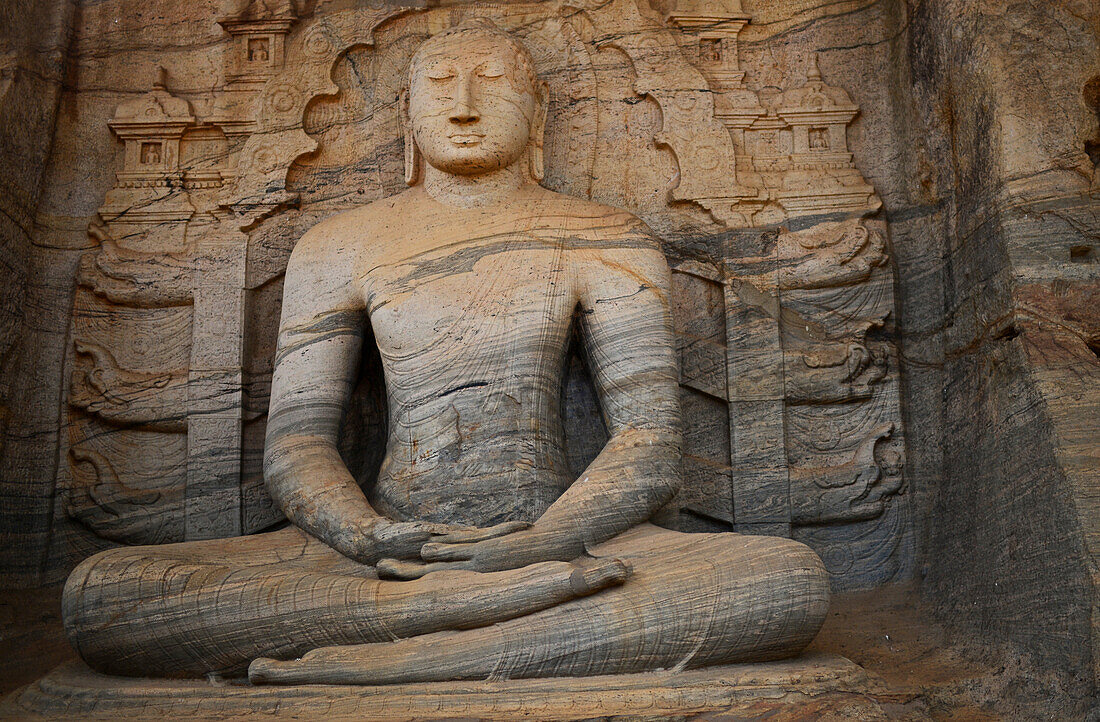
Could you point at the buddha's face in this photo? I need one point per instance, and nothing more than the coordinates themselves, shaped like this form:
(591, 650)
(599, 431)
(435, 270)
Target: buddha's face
(471, 103)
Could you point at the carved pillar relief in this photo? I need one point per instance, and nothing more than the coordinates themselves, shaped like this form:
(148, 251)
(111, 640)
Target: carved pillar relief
(698, 300)
(761, 494)
(127, 448)
(816, 443)
(809, 380)
(156, 392)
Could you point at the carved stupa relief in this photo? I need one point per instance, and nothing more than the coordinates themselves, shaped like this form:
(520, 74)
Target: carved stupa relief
(819, 173)
(789, 381)
(791, 149)
(157, 390)
(257, 50)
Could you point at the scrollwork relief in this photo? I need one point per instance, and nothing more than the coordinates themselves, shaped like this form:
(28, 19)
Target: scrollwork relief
(121, 513)
(853, 491)
(135, 278)
(155, 401)
(833, 373)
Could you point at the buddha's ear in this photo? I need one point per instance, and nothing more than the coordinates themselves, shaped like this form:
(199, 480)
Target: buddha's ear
(538, 132)
(412, 152)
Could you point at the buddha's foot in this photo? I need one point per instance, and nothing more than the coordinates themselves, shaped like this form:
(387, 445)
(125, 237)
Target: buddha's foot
(536, 588)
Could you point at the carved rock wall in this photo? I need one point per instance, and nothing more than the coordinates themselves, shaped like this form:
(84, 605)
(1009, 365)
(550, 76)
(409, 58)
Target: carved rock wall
(884, 279)
(172, 324)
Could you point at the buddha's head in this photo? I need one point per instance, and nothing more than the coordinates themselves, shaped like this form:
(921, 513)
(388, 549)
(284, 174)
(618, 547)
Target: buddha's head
(474, 104)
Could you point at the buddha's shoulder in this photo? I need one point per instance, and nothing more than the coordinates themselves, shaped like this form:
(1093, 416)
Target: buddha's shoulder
(344, 232)
(595, 226)
(373, 216)
(582, 212)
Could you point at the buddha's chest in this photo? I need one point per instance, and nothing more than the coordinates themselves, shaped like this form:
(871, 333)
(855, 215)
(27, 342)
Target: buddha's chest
(476, 301)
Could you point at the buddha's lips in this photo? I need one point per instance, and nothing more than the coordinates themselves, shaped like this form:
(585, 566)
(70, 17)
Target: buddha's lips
(466, 138)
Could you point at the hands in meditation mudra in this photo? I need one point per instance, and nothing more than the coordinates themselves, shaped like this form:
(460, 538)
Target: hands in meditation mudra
(475, 553)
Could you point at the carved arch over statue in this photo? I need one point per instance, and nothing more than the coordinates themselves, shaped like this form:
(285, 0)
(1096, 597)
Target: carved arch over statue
(702, 153)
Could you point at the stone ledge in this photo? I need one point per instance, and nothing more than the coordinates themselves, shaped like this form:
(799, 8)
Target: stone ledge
(810, 685)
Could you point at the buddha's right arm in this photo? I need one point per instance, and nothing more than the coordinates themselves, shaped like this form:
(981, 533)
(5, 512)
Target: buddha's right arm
(320, 337)
(305, 474)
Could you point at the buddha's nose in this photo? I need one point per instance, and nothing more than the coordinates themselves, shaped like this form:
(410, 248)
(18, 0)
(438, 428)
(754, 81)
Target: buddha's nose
(464, 110)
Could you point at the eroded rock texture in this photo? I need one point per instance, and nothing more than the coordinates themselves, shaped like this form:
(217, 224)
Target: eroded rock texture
(33, 48)
(1004, 101)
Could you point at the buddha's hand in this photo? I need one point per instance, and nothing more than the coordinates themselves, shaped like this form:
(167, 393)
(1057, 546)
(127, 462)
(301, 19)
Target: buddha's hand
(375, 538)
(509, 551)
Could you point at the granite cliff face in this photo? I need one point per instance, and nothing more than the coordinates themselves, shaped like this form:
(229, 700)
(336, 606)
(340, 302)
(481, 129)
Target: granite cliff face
(1006, 105)
(33, 55)
(881, 217)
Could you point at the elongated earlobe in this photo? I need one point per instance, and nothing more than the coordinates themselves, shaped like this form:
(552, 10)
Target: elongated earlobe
(412, 152)
(535, 155)
(412, 160)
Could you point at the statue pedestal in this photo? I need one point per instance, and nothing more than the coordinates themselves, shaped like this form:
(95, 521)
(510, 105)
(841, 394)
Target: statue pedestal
(807, 687)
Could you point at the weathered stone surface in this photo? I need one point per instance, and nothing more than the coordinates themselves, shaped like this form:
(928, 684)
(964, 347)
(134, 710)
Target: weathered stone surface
(33, 46)
(1015, 496)
(798, 689)
(189, 153)
(474, 551)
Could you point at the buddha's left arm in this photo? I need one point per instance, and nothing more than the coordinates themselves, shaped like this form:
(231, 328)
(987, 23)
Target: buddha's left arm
(626, 332)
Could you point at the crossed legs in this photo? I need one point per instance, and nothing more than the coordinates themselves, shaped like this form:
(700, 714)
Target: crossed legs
(692, 600)
(211, 607)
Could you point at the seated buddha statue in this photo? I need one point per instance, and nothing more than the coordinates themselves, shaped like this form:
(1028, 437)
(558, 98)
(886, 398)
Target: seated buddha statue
(474, 553)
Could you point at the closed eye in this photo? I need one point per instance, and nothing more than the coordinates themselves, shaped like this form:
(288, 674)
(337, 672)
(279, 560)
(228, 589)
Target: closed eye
(439, 72)
(490, 73)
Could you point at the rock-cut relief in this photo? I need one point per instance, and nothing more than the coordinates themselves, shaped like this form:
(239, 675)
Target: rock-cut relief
(845, 443)
(814, 445)
(788, 379)
(747, 375)
(127, 443)
(157, 398)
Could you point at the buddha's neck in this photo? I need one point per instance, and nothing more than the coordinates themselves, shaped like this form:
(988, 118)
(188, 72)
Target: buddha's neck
(465, 191)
